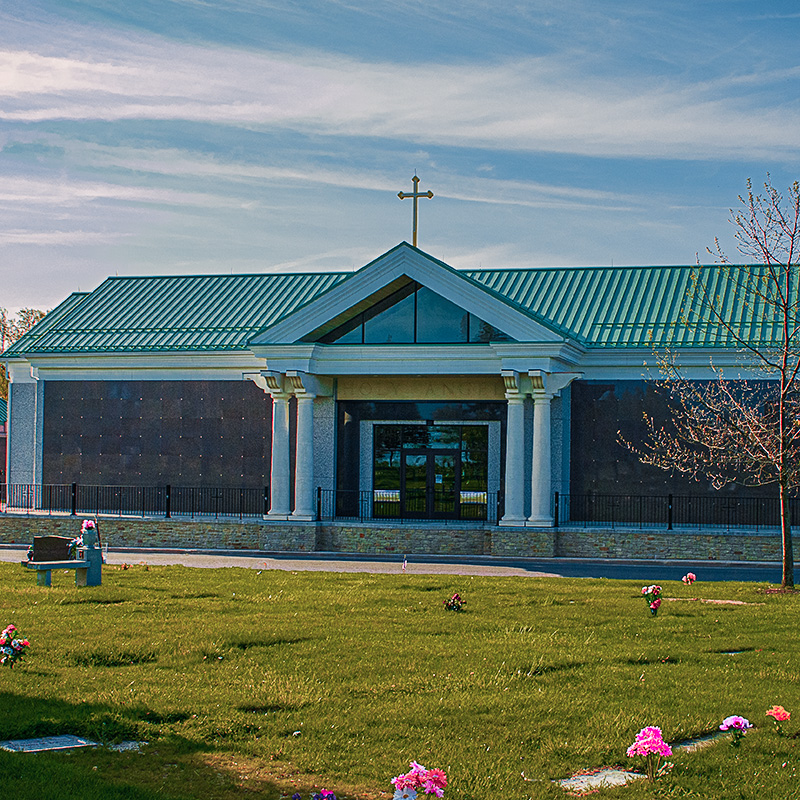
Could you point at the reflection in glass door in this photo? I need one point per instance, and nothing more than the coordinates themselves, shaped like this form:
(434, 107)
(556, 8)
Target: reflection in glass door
(446, 468)
(429, 483)
(414, 484)
(430, 471)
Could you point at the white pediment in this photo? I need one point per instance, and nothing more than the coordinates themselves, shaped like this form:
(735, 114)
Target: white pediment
(387, 273)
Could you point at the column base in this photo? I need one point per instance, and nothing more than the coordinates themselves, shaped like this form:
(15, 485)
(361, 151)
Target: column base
(277, 516)
(539, 522)
(512, 522)
(301, 517)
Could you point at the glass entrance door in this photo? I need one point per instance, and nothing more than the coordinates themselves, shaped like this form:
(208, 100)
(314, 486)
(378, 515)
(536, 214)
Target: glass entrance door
(430, 471)
(414, 485)
(430, 481)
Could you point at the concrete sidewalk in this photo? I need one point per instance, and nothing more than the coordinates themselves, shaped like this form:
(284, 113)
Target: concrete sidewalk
(646, 571)
(297, 562)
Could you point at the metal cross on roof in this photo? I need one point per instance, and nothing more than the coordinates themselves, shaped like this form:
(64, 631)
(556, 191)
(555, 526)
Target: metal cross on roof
(415, 195)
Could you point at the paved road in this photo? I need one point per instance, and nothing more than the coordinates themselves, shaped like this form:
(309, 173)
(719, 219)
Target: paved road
(645, 571)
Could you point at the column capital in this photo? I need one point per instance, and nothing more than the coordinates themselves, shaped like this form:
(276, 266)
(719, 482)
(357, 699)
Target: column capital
(269, 382)
(550, 383)
(301, 384)
(511, 383)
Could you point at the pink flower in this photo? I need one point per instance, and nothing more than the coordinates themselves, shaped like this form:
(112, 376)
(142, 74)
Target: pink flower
(656, 603)
(736, 722)
(689, 578)
(438, 775)
(779, 713)
(418, 778)
(649, 740)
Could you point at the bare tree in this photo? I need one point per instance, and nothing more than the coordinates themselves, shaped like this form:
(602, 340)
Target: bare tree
(11, 328)
(746, 431)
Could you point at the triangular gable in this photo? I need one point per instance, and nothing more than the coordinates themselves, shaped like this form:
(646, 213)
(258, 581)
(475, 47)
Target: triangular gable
(383, 276)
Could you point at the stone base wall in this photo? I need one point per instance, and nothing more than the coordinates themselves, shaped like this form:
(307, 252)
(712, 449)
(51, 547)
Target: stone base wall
(423, 539)
(405, 539)
(165, 533)
(679, 545)
(525, 542)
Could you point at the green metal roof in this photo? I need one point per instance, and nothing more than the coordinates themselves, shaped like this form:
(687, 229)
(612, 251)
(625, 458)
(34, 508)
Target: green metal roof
(176, 313)
(636, 306)
(594, 306)
(29, 341)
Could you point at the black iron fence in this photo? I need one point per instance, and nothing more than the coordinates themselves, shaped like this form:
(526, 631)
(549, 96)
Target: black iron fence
(669, 511)
(424, 504)
(135, 501)
(718, 512)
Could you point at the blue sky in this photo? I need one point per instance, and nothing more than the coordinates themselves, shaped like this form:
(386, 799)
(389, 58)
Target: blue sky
(197, 136)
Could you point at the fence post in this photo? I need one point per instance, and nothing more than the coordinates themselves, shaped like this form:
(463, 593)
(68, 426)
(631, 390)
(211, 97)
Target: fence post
(555, 510)
(669, 512)
(74, 499)
(319, 503)
(168, 501)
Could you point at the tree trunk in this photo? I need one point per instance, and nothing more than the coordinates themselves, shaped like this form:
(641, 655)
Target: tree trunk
(786, 537)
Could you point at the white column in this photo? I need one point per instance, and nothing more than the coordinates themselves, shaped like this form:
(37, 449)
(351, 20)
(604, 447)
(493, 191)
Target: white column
(304, 506)
(279, 486)
(541, 466)
(545, 385)
(515, 452)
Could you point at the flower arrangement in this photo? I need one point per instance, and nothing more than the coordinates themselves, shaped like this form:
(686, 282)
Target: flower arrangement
(736, 724)
(779, 714)
(652, 596)
(689, 578)
(12, 648)
(650, 744)
(419, 779)
(325, 794)
(455, 603)
(76, 543)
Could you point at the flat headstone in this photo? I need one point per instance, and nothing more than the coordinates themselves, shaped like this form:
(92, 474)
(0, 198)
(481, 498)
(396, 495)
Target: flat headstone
(67, 742)
(599, 779)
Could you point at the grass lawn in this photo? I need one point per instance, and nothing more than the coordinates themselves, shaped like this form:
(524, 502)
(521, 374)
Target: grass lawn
(249, 684)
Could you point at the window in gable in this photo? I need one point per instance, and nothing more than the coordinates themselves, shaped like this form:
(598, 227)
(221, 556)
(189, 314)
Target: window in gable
(414, 315)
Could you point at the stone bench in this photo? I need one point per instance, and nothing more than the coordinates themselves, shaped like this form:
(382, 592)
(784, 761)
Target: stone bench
(52, 552)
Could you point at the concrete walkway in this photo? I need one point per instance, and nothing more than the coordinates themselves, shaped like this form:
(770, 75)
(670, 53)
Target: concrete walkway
(645, 571)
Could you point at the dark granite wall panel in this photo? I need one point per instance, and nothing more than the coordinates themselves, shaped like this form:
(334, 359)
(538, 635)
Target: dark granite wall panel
(601, 465)
(189, 433)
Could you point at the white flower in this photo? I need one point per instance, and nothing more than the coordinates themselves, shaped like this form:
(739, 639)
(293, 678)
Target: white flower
(404, 794)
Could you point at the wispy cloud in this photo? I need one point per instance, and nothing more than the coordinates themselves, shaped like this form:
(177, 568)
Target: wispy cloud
(536, 104)
(72, 192)
(62, 238)
(481, 189)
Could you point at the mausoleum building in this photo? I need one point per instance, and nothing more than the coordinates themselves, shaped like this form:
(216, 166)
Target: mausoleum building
(404, 390)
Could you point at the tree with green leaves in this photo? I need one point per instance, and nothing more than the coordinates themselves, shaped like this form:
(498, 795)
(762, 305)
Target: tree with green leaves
(730, 430)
